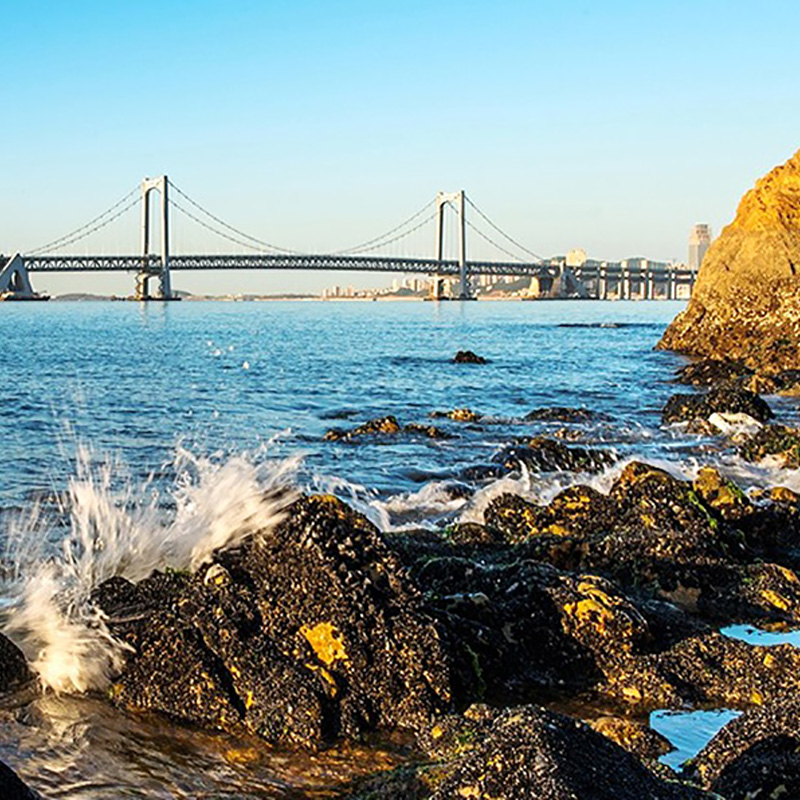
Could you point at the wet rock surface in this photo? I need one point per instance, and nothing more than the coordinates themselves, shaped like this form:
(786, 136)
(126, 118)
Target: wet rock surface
(710, 371)
(531, 752)
(382, 427)
(12, 787)
(561, 414)
(323, 629)
(754, 756)
(306, 633)
(541, 454)
(13, 667)
(468, 357)
(773, 440)
(718, 399)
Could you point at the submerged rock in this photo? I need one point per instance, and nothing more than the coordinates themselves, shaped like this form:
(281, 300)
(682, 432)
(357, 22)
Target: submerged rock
(307, 632)
(719, 399)
(468, 357)
(745, 304)
(541, 454)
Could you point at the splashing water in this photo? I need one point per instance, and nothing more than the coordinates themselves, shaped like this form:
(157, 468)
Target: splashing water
(117, 527)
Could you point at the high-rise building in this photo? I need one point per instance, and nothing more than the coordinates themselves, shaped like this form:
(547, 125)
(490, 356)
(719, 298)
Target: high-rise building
(699, 240)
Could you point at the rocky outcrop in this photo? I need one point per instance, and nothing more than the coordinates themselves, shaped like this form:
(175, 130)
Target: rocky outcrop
(724, 399)
(531, 752)
(746, 303)
(756, 755)
(383, 427)
(306, 633)
(468, 357)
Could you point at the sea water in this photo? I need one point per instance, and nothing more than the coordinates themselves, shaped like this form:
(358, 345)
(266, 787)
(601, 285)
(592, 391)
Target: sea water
(144, 436)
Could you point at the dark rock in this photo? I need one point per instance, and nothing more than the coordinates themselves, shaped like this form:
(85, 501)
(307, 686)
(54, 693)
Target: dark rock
(307, 632)
(429, 431)
(459, 415)
(754, 756)
(634, 736)
(773, 440)
(12, 787)
(13, 667)
(719, 399)
(578, 511)
(710, 371)
(560, 414)
(384, 426)
(788, 381)
(468, 357)
(541, 454)
(532, 752)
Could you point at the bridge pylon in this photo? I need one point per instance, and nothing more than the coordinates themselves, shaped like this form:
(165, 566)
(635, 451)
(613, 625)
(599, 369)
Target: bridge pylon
(458, 201)
(147, 270)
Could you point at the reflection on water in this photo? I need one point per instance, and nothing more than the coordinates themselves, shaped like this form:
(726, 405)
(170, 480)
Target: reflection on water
(79, 747)
(689, 731)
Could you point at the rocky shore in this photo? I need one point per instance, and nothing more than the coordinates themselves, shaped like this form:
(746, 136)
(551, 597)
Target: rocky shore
(470, 638)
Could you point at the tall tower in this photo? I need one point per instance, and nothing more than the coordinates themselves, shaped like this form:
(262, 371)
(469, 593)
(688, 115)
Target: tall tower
(699, 240)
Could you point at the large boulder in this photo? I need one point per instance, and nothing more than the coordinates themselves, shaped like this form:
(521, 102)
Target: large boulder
(307, 632)
(746, 303)
(725, 399)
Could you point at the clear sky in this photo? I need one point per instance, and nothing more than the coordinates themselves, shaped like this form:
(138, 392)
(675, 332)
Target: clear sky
(613, 125)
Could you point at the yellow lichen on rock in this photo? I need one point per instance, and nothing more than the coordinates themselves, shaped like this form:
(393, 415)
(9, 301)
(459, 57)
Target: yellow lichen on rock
(775, 599)
(326, 642)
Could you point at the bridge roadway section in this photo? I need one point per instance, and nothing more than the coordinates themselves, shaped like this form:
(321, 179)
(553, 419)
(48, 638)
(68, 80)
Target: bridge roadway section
(291, 261)
(612, 271)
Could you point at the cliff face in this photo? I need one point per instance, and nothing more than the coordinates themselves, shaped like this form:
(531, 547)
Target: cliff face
(746, 303)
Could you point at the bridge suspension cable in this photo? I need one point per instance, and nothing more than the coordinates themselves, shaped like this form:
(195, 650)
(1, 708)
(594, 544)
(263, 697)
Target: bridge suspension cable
(379, 241)
(91, 226)
(501, 232)
(385, 242)
(216, 231)
(254, 239)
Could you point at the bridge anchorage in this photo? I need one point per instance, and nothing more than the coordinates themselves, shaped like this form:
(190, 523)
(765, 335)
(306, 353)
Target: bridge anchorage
(457, 278)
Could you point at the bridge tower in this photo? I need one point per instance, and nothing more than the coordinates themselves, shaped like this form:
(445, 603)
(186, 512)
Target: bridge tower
(458, 201)
(147, 270)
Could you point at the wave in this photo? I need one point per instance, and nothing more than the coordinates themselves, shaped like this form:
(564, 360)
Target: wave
(111, 525)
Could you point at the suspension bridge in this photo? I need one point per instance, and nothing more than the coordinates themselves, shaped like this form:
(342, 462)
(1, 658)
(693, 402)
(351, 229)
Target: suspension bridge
(450, 277)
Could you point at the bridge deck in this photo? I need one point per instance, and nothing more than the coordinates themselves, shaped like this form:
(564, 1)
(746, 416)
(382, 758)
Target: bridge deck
(428, 266)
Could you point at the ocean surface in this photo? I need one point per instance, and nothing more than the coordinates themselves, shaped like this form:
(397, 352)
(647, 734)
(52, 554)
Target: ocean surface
(160, 422)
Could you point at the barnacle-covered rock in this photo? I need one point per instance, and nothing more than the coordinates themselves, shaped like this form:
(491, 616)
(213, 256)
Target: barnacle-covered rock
(307, 632)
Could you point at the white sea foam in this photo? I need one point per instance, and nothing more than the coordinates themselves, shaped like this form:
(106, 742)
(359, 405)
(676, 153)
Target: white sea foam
(118, 527)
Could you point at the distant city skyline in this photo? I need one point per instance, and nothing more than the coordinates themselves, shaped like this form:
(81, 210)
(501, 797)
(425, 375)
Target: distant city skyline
(314, 125)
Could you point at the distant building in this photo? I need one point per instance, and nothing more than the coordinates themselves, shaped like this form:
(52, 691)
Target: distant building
(576, 257)
(699, 240)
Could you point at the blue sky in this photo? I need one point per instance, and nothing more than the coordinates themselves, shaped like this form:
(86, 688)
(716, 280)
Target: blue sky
(613, 126)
